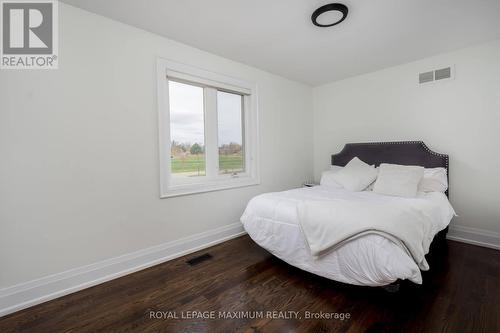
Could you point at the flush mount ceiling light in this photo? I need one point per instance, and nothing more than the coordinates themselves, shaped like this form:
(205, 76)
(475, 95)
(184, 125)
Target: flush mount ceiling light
(329, 15)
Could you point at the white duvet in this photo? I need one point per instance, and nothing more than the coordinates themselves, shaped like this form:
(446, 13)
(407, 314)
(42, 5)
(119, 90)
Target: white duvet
(273, 221)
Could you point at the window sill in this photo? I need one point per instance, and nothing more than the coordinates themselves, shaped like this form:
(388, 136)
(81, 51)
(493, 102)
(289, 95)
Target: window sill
(181, 190)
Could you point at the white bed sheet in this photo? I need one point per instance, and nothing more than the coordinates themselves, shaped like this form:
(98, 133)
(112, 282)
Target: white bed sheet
(272, 221)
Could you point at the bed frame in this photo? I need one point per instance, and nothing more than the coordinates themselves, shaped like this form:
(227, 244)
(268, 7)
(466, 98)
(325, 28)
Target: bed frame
(396, 152)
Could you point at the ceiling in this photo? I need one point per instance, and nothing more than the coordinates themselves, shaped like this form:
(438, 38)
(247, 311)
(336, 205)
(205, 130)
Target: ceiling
(278, 36)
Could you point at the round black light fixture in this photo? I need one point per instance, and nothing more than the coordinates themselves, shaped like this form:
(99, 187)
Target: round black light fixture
(329, 15)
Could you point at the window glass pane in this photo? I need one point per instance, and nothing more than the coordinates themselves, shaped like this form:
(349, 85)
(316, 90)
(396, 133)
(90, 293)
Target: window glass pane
(230, 133)
(187, 130)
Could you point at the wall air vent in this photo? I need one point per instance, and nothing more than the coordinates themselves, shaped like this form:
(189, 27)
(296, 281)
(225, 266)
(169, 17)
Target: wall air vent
(426, 77)
(443, 73)
(436, 75)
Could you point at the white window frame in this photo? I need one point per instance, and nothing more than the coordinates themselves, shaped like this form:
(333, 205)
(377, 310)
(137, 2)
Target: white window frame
(213, 181)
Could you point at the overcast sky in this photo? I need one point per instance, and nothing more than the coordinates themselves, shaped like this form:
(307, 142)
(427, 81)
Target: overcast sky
(186, 115)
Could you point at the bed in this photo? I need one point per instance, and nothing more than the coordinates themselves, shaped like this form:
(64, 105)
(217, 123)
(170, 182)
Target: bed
(273, 221)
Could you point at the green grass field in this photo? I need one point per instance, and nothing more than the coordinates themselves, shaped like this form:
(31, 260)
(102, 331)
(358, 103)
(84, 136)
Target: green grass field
(196, 163)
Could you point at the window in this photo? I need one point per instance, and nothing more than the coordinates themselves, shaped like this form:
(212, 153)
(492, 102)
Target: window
(187, 130)
(230, 126)
(208, 130)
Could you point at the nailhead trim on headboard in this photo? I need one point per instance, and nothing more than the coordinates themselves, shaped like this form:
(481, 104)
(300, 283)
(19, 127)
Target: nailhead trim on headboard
(350, 150)
(405, 143)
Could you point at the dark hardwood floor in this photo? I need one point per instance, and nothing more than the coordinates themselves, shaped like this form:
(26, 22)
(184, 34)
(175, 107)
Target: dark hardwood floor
(461, 293)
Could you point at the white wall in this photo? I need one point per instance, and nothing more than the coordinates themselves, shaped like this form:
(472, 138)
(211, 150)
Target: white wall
(79, 174)
(459, 117)
(79, 167)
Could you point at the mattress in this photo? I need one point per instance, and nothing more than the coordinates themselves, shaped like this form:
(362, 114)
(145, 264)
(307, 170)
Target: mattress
(271, 220)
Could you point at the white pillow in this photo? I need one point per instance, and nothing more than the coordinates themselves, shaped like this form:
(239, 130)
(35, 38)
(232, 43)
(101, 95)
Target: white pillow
(434, 180)
(370, 187)
(398, 180)
(327, 177)
(356, 175)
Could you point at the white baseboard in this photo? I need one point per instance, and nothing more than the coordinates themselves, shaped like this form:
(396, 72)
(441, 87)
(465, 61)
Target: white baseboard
(474, 236)
(37, 291)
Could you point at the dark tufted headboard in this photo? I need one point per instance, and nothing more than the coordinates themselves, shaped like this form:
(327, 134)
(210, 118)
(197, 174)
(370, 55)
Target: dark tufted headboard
(397, 152)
